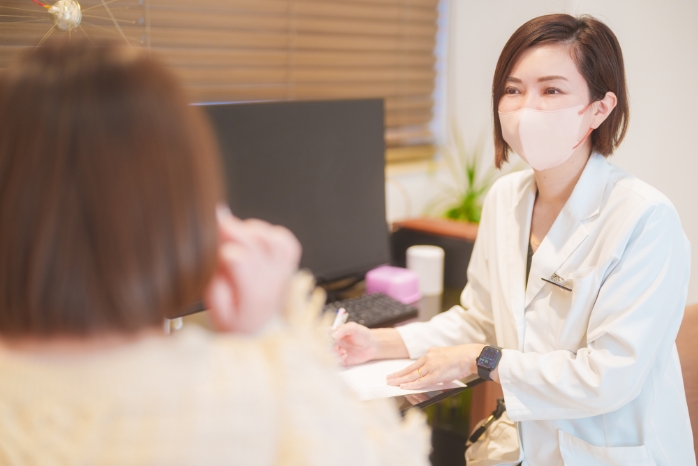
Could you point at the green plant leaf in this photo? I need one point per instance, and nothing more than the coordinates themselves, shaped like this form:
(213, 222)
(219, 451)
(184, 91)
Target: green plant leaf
(464, 201)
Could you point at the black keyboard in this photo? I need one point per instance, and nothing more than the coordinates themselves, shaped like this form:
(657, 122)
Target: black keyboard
(374, 310)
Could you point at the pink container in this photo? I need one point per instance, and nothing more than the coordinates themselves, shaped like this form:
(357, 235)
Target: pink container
(396, 282)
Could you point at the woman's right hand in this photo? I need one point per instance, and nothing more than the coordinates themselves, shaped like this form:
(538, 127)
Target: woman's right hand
(354, 344)
(256, 261)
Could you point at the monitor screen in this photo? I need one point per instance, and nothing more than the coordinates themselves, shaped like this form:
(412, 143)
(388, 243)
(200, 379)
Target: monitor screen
(315, 167)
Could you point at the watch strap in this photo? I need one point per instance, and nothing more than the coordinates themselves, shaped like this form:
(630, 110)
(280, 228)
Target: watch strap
(485, 373)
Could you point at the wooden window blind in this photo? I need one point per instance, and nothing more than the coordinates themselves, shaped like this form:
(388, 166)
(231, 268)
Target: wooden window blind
(246, 50)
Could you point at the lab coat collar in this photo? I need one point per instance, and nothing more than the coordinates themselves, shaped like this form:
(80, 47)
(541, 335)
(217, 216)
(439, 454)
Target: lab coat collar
(517, 250)
(586, 197)
(568, 231)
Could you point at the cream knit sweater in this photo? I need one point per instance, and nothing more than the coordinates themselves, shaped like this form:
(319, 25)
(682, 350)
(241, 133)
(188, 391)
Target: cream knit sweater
(198, 398)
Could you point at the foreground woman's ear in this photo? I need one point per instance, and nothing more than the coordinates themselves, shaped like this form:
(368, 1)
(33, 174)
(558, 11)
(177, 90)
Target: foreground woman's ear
(255, 264)
(603, 109)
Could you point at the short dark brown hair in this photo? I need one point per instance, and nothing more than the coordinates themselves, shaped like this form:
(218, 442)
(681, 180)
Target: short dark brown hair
(108, 187)
(597, 54)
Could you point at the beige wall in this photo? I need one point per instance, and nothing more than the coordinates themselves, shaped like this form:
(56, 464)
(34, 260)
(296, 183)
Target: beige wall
(660, 45)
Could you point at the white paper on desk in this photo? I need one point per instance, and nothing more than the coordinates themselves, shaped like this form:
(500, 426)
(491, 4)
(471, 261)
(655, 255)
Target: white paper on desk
(369, 380)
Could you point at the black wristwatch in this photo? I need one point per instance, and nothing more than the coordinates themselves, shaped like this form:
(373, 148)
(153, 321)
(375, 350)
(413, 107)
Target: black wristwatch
(487, 361)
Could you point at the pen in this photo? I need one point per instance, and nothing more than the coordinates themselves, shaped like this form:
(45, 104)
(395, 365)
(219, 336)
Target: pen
(340, 318)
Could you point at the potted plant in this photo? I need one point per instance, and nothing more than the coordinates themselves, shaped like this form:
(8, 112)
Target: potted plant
(462, 199)
(452, 216)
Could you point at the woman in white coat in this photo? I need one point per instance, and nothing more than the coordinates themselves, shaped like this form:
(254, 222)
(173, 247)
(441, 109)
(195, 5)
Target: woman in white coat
(578, 278)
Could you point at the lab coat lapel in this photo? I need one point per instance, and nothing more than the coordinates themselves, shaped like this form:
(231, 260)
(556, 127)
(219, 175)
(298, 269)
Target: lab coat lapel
(517, 250)
(563, 238)
(568, 231)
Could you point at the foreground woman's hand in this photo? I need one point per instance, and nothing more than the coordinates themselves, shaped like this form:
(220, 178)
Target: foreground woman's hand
(438, 365)
(255, 264)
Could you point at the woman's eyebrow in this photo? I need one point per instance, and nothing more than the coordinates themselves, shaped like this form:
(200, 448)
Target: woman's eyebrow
(551, 78)
(512, 79)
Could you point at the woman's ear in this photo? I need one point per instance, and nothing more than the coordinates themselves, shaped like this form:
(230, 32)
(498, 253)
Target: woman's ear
(604, 107)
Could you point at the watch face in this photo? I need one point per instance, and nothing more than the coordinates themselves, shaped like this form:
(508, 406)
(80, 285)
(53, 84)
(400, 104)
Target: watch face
(489, 358)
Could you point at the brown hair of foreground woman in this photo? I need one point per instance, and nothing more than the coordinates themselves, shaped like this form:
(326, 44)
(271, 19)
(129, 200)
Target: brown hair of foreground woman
(598, 56)
(108, 187)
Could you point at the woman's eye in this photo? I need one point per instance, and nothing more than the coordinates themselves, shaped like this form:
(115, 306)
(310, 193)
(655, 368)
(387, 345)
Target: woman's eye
(511, 90)
(552, 90)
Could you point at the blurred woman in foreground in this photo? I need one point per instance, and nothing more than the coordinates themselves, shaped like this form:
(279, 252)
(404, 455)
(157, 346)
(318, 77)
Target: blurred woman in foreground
(109, 184)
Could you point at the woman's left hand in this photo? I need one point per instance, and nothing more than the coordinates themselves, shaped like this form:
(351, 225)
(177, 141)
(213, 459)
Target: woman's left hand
(438, 365)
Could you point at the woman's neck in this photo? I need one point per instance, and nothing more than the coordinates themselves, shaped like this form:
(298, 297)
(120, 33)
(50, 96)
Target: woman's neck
(555, 185)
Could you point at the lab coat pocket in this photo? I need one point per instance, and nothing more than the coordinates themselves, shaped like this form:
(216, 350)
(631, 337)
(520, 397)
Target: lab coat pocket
(576, 452)
(571, 309)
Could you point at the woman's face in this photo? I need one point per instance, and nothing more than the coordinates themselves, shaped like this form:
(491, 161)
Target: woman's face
(544, 78)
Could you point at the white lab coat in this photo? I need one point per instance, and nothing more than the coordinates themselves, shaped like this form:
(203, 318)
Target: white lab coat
(591, 375)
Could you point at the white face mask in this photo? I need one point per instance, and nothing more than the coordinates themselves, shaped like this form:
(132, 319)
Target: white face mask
(545, 139)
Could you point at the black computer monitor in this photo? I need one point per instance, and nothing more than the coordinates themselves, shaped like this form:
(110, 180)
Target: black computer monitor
(315, 167)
